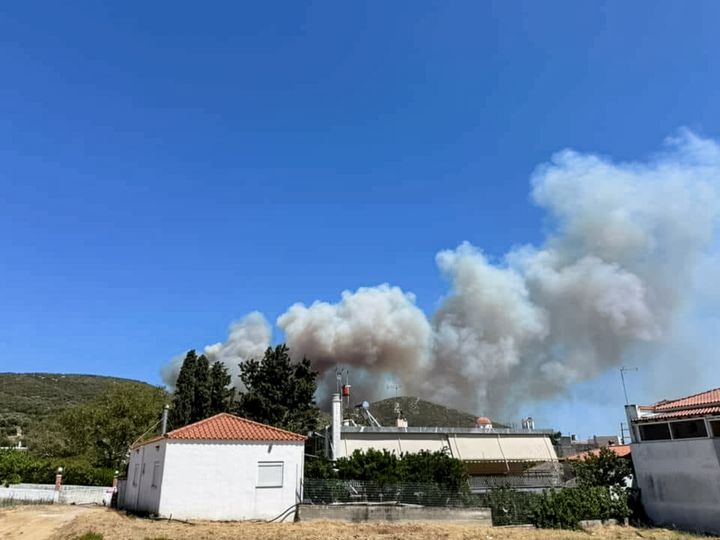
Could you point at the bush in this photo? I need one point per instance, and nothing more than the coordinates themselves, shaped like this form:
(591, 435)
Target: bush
(16, 467)
(385, 468)
(564, 509)
(510, 507)
(604, 469)
(319, 468)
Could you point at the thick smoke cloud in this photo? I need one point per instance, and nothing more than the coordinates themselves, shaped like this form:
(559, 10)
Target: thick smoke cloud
(247, 338)
(614, 272)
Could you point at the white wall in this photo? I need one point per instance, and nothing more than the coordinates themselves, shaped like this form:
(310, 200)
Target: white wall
(217, 480)
(680, 482)
(142, 495)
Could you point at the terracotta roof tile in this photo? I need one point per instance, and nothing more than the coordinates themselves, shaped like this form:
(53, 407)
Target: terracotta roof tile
(620, 450)
(703, 399)
(702, 411)
(228, 427)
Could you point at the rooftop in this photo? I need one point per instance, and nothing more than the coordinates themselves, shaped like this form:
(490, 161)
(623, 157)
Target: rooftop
(456, 430)
(700, 404)
(620, 450)
(228, 427)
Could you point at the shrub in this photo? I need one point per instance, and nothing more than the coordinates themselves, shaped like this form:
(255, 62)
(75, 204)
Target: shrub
(16, 467)
(319, 468)
(564, 509)
(604, 469)
(510, 507)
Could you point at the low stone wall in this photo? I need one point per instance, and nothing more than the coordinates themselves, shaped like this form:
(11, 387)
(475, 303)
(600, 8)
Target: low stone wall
(392, 512)
(46, 493)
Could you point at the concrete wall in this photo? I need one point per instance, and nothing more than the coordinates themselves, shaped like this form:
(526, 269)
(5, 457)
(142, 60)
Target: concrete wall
(46, 493)
(217, 480)
(680, 482)
(140, 495)
(27, 495)
(380, 512)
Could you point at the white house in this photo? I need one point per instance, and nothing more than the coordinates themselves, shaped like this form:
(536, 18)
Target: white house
(221, 468)
(676, 456)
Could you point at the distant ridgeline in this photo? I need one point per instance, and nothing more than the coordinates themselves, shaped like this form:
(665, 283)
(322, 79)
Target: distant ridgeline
(27, 397)
(419, 413)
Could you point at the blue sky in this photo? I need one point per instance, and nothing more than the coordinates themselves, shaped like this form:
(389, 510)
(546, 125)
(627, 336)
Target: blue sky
(168, 167)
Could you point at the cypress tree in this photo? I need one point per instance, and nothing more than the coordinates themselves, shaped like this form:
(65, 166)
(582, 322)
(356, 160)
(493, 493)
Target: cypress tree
(220, 393)
(201, 395)
(183, 398)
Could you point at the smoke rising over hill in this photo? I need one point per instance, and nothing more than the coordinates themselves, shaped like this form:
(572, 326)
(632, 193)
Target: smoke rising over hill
(614, 271)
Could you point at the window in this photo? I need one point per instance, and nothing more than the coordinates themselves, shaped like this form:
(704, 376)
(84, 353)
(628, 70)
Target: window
(156, 474)
(136, 473)
(270, 474)
(689, 429)
(715, 426)
(654, 432)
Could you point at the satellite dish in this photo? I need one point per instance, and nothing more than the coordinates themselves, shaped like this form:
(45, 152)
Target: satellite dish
(365, 405)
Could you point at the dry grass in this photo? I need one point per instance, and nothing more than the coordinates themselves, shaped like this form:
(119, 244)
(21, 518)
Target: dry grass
(116, 525)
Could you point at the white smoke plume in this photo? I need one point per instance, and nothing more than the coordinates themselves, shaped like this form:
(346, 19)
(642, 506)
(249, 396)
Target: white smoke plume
(614, 271)
(247, 338)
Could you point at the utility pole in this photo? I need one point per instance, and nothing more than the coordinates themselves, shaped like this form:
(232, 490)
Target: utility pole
(624, 370)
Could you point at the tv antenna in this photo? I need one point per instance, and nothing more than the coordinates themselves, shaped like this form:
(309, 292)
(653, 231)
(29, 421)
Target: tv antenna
(393, 386)
(623, 371)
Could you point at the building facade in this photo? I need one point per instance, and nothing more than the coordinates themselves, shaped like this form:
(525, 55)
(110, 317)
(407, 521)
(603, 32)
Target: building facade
(676, 456)
(221, 468)
(524, 458)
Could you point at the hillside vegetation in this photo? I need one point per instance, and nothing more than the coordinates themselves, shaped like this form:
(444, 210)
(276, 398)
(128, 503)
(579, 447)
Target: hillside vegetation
(419, 413)
(27, 397)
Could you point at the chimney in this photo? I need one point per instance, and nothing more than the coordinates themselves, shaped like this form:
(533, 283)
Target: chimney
(336, 426)
(166, 408)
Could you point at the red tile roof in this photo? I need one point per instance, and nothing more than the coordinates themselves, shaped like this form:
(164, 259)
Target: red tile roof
(620, 450)
(228, 427)
(681, 414)
(695, 405)
(703, 399)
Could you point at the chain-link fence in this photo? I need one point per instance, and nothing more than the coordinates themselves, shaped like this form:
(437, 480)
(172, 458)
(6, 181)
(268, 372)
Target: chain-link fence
(317, 491)
(508, 506)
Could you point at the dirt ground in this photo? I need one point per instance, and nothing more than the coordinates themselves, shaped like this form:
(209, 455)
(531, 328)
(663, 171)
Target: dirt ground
(69, 522)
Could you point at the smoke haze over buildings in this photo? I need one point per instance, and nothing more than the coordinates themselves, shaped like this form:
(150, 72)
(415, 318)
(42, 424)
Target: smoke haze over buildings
(614, 271)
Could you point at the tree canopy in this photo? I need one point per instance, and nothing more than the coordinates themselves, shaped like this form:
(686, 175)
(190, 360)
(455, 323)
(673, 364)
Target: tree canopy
(201, 391)
(279, 392)
(605, 469)
(101, 431)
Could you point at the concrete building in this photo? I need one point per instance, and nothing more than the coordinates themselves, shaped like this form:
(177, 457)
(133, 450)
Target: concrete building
(524, 458)
(221, 468)
(676, 455)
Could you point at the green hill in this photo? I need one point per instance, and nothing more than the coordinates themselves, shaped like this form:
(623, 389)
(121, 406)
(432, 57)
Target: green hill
(418, 412)
(26, 397)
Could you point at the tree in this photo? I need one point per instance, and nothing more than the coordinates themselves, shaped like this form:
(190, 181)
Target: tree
(603, 469)
(201, 391)
(101, 431)
(220, 392)
(184, 395)
(278, 391)
(435, 468)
